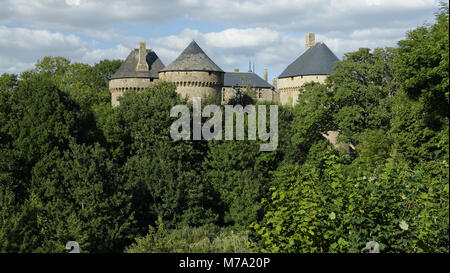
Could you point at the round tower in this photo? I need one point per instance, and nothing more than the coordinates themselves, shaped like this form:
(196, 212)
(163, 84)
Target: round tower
(138, 72)
(314, 65)
(194, 73)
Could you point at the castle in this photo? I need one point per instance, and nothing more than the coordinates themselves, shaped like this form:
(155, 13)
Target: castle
(196, 75)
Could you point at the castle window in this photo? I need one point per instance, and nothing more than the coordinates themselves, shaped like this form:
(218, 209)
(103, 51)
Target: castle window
(209, 73)
(292, 78)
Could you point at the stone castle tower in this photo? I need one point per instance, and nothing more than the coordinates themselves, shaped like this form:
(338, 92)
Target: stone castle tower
(139, 71)
(314, 65)
(194, 73)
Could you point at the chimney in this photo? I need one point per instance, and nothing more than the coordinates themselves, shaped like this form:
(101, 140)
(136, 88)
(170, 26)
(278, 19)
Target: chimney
(265, 75)
(274, 83)
(309, 40)
(142, 62)
(236, 70)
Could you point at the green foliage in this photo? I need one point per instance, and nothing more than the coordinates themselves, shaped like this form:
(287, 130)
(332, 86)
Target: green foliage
(41, 118)
(312, 117)
(203, 239)
(76, 187)
(393, 105)
(319, 209)
(163, 174)
(420, 124)
(74, 168)
(423, 65)
(363, 86)
(7, 82)
(239, 174)
(231, 171)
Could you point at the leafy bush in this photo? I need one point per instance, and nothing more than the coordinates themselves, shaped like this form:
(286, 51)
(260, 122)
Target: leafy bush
(321, 210)
(203, 239)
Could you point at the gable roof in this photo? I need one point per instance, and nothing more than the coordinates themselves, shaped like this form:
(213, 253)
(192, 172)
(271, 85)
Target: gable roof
(193, 58)
(318, 60)
(128, 68)
(244, 79)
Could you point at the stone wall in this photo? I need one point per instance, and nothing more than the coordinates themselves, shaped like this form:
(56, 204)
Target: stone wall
(262, 94)
(194, 83)
(288, 87)
(119, 86)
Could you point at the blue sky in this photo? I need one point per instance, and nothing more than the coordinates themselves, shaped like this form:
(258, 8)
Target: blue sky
(269, 33)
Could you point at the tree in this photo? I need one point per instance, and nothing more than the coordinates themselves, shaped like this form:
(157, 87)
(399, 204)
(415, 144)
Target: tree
(164, 174)
(363, 86)
(83, 199)
(318, 208)
(420, 124)
(42, 118)
(8, 82)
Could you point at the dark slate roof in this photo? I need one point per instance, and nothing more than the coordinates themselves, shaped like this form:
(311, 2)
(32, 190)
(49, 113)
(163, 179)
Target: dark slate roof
(193, 59)
(318, 60)
(243, 79)
(128, 68)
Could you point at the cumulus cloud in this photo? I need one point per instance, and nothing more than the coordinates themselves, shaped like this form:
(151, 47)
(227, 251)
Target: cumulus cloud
(292, 15)
(94, 55)
(73, 2)
(267, 48)
(20, 48)
(270, 33)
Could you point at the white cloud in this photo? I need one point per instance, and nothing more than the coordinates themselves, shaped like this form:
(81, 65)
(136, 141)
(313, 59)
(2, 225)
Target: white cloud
(267, 32)
(94, 55)
(27, 43)
(293, 15)
(73, 2)
(268, 48)
(20, 48)
(241, 38)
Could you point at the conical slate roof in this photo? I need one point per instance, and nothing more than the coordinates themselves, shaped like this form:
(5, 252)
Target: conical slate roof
(318, 60)
(128, 68)
(192, 59)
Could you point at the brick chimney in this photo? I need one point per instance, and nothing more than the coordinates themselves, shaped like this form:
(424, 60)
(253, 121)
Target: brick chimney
(236, 70)
(274, 83)
(142, 62)
(266, 78)
(310, 40)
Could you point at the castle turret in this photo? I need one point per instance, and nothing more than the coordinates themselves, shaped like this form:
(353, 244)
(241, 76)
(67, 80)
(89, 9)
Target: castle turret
(194, 73)
(138, 72)
(314, 65)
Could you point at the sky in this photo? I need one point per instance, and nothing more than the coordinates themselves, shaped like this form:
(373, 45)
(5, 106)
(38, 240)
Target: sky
(232, 33)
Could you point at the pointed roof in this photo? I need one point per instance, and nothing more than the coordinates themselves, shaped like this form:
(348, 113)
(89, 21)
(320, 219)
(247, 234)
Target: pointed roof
(193, 58)
(244, 79)
(128, 68)
(318, 60)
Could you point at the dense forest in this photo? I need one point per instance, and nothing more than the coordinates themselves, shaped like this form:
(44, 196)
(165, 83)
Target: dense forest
(74, 168)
